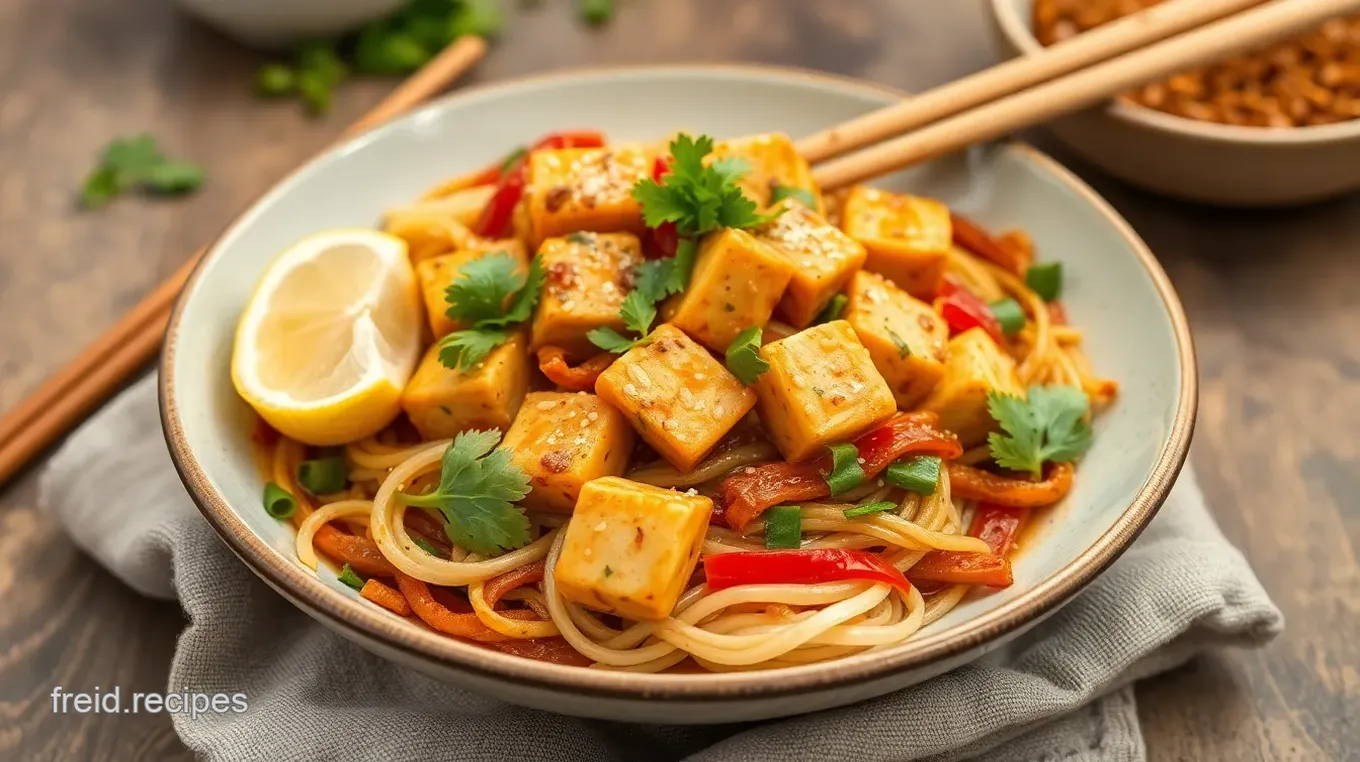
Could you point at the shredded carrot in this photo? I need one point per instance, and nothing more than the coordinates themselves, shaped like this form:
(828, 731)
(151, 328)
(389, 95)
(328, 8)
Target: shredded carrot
(497, 587)
(553, 362)
(359, 552)
(387, 597)
(551, 650)
(971, 236)
(447, 621)
(971, 483)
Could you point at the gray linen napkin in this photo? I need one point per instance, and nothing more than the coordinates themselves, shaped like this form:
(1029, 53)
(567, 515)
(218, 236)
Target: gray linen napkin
(1061, 693)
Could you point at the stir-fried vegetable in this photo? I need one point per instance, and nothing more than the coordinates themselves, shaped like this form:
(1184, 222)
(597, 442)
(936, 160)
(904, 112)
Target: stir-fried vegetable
(920, 474)
(968, 483)
(804, 567)
(964, 311)
(784, 527)
(496, 216)
(971, 236)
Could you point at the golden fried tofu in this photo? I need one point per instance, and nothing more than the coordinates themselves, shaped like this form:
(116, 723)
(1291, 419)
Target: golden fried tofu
(975, 366)
(907, 237)
(823, 260)
(442, 401)
(563, 440)
(774, 164)
(589, 274)
(736, 283)
(821, 388)
(436, 274)
(904, 336)
(573, 189)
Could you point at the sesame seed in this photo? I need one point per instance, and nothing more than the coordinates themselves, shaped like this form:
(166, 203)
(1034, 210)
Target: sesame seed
(630, 390)
(580, 394)
(856, 386)
(799, 380)
(640, 376)
(600, 527)
(880, 482)
(718, 411)
(585, 552)
(585, 423)
(750, 470)
(699, 377)
(691, 492)
(579, 441)
(859, 461)
(547, 405)
(571, 414)
(593, 416)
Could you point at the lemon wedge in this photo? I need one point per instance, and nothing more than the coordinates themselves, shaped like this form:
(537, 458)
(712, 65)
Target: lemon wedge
(330, 337)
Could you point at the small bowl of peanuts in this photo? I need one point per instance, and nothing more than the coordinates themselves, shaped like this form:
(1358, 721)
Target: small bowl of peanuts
(1274, 127)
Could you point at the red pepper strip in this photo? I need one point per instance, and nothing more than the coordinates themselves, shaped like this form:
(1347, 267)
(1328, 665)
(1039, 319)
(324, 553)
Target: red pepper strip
(747, 493)
(447, 621)
(962, 569)
(553, 362)
(971, 236)
(970, 483)
(1057, 315)
(666, 238)
(963, 311)
(804, 567)
(495, 219)
(997, 526)
(359, 552)
(551, 650)
(496, 587)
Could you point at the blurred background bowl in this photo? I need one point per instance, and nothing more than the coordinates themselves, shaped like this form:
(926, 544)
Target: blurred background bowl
(275, 23)
(1195, 160)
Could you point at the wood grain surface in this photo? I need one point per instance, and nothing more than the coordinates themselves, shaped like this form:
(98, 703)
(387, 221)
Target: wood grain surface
(1273, 297)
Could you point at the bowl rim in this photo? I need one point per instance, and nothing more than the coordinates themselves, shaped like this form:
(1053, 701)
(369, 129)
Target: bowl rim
(1021, 35)
(369, 624)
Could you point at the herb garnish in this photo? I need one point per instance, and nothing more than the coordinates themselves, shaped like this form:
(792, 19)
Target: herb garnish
(137, 163)
(478, 486)
(1048, 426)
(479, 297)
(743, 356)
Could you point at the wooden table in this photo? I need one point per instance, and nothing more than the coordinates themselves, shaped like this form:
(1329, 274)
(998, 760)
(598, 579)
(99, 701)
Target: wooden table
(1274, 299)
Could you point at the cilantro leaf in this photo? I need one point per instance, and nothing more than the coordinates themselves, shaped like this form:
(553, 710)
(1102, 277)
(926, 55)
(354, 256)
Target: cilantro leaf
(174, 177)
(137, 162)
(478, 486)
(486, 283)
(461, 350)
(350, 578)
(1048, 426)
(522, 306)
(610, 340)
(743, 356)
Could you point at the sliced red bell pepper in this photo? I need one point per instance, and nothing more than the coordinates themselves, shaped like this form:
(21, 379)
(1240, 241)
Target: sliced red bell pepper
(496, 216)
(552, 362)
(973, 237)
(963, 311)
(954, 568)
(800, 567)
(747, 493)
(997, 525)
(970, 483)
(663, 240)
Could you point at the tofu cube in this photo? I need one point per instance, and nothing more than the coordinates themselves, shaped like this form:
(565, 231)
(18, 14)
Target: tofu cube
(736, 283)
(437, 273)
(773, 162)
(428, 237)
(631, 548)
(823, 260)
(821, 388)
(974, 367)
(908, 237)
(564, 440)
(904, 336)
(589, 274)
(442, 401)
(680, 399)
(575, 189)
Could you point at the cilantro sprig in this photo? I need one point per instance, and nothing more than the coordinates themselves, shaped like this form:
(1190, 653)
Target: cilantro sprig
(697, 199)
(137, 163)
(743, 356)
(490, 297)
(1048, 426)
(478, 486)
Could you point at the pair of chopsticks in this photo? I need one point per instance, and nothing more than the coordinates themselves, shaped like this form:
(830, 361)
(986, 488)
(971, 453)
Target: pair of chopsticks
(1075, 74)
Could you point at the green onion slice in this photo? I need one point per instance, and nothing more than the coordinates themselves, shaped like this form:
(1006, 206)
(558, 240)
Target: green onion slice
(833, 309)
(1046, 280)
(425, 545)
(846, 472)
(801, 195)
(351, 578)
(868, 508)
(783, 527)
(919, 474)
(1009, 314)
(323, 476)
(278, 502)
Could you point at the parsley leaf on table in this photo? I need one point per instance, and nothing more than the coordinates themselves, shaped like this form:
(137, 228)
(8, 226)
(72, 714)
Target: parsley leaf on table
(479, 298)
(137, 163)
(478, 486)
(1048, 426)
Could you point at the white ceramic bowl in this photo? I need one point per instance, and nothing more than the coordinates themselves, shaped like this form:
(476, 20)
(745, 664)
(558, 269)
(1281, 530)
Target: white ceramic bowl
(1114, 290)
(272, 23)
(1193, 160)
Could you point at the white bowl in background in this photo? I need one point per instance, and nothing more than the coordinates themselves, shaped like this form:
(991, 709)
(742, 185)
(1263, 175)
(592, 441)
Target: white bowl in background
(1194, 160)
(1114, 290)
(275, 23)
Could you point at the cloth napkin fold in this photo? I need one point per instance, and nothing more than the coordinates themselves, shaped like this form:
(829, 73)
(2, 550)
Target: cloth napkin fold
(1060, 693)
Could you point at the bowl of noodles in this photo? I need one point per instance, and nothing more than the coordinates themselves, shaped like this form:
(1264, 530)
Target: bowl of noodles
(536, 394)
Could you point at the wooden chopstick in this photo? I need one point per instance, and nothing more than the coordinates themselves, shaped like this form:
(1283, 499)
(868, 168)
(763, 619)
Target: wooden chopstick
(101, 368)
(1246, 30)
(1129, 33)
